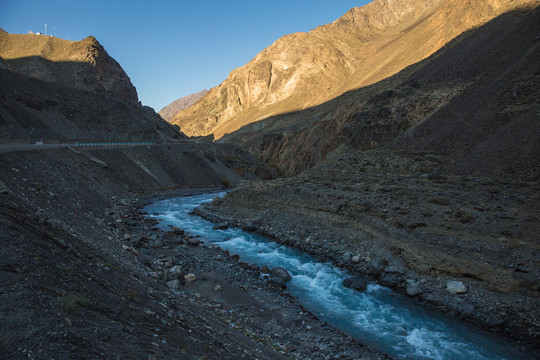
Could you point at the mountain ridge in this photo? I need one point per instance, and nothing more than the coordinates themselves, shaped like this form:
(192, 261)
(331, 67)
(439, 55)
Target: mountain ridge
(83, 64)
(306, 69)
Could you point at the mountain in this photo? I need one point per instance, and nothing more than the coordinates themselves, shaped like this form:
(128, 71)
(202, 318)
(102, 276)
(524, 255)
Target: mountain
(429, 176)
(83, 65)
(365, 45)
(475, 102)
(54, 89)
(169, 111)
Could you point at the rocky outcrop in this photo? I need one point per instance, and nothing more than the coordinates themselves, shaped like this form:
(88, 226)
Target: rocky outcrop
(302, 70)
(84, 65)
(169, 111)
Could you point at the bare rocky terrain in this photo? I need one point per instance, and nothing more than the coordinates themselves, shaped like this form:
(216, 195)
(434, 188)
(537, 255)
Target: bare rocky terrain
(169, 111)
(417, 181)
(427, 177)
(364, 46)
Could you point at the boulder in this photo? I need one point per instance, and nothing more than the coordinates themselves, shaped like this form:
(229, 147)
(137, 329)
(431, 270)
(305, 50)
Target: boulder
(277, 283)
(175, 272)
(355, 259)
(346, 257)
(177, 230)
(390, 281)
(376, 267)
(220, 226)
(174, 284)
(190, 277)
(456, 287)
(355, 283)
(281, 273)
(217, 288)
(413, 289)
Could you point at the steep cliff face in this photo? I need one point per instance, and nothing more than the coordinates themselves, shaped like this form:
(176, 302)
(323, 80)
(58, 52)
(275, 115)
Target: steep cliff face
(169, 111)
(362, 47)
(83, 65)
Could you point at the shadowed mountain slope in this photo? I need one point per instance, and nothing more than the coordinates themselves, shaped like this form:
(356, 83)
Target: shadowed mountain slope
(475, 101)
(53, 89)
(362, 47)
(84, 64)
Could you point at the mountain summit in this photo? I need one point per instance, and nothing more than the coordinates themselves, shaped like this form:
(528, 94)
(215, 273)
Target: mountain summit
(365, 45)
(84, 65)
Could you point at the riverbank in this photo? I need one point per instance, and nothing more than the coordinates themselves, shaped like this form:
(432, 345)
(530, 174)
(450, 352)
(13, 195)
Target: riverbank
(69, 289)
(391, 217)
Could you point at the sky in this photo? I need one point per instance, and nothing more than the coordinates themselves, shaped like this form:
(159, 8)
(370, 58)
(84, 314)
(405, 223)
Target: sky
(171, 49)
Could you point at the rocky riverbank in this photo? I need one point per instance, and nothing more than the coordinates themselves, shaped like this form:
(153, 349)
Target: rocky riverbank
(235, 292)
(463, 245)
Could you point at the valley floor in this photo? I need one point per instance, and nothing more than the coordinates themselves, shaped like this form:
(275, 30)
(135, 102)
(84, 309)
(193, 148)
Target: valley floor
(394, 217)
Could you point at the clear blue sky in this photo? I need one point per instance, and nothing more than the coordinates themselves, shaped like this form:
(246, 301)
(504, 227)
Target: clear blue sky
(171, 49)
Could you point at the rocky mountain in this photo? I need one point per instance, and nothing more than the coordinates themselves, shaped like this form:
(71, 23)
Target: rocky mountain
(429, 176)
(169, 111)
(483, 81)
(84, 64)
(364, 46)
(53, 89)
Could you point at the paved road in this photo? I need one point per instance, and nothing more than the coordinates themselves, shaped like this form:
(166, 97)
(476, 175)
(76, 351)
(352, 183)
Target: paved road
(4, 148)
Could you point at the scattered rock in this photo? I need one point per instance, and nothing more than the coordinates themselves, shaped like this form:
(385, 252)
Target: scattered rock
(456, 287)
(355, 283)
(376, 267)
(390, 281)
(281, 273)
(355, 259)
(217, 288)
(194, 242)
(347, 257)
(175, 272)
(177, 230)
(190, 277)
(221, 226)
(413, 289)
(277, 283)
(174, 284)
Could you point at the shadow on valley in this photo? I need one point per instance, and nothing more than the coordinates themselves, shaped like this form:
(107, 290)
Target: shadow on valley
(474, 102)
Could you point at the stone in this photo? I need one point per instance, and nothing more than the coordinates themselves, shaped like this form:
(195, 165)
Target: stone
(174, 284)
(355, 259)
(376, 267)
(177, 230)
(190, 277)
(218, 288)
(277, 283)
(355, 283)
(390, 281)
(175, 272)
(347, 257)
(281, 273)
(413, 289)
(456, 287)
(127, 236)
(220, 226)
(194, 241)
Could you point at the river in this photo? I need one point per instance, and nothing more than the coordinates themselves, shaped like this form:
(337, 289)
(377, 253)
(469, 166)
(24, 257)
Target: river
(380, 318)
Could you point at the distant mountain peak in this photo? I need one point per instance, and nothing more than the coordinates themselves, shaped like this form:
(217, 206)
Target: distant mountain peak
(169, 111)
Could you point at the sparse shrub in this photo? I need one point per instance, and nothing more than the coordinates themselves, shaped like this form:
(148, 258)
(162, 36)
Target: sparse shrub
(440, 201)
